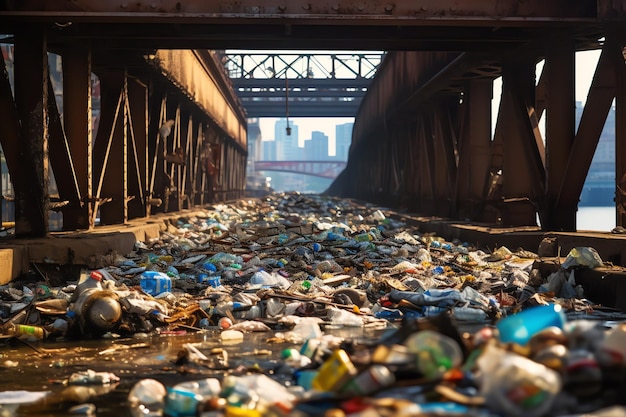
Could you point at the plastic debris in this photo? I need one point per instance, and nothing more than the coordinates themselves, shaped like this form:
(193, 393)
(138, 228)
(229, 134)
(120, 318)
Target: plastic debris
(309, 305)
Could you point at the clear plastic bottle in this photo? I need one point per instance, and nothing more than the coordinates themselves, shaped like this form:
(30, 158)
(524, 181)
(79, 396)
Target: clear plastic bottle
(183, 399)
(372, 379)
(436, 353)
(147, 396)
(515, 385)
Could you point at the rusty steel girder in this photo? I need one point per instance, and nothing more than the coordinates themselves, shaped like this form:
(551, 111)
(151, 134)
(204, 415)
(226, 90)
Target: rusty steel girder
(133, 167)
(427, 119)
(434, 25)
(476, 11)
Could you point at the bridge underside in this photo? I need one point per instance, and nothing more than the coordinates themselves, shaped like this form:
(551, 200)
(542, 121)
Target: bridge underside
(422, 137)
(439, 156)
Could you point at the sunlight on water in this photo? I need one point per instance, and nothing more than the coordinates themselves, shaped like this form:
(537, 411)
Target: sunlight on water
(596, 218)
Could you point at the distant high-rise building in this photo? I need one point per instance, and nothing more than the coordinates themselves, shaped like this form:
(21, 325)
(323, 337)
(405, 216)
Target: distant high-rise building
(255, 139)
(269, 150)
(343, 139)
(254, 179)
(286, 145)
(316, 149)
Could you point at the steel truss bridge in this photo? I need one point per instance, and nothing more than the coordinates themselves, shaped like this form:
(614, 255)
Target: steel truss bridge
(422, 136)
(301, 84)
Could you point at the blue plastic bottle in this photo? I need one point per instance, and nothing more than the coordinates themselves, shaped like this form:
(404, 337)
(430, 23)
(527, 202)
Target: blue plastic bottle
(520, 327)
(155, 283)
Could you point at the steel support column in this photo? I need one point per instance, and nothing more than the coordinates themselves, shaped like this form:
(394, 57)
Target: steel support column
(620, 134)
(10, 137)
(110, 150)
(137, 148)
(32, 200)
(78, 130)
(444, 144)
(560, 68)
(474, 149)
(158, 112)
(523, 172)
(597, 106)
(426, 165)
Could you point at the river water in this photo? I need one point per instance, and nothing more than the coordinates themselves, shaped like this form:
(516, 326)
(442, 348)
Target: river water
(46, 367)
(596, 218)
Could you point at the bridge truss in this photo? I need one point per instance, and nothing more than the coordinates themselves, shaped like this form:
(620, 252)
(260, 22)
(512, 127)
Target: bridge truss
(301, 84)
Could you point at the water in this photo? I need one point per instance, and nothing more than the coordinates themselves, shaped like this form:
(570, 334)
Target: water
(600, 219)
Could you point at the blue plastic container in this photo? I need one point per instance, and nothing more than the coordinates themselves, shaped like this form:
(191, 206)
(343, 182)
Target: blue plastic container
(521, 327)
(155, 283)
(214, 281)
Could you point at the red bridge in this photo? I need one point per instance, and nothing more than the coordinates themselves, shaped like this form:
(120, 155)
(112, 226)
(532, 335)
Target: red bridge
(324, 169)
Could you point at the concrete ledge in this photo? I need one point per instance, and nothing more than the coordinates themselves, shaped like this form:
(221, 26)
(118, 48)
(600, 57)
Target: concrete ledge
(610, 246)
(84, 247)
(604, 285)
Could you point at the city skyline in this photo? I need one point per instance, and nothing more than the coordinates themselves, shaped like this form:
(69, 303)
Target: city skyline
(306, 127)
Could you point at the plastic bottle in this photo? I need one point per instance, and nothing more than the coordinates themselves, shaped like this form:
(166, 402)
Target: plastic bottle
(370, 380)
(520, 327)
(155, 283)
(514, 385)
(364, 237)
(258, 393)
(88, 281)
(436, 353)
(147, 396)
(22, 330)
(335, 372)
(183, 399)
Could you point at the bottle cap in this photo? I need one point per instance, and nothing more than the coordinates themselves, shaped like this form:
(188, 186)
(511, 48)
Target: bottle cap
(97, 275)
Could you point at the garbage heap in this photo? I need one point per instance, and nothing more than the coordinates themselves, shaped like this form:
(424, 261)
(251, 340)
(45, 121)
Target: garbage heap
(461, 330)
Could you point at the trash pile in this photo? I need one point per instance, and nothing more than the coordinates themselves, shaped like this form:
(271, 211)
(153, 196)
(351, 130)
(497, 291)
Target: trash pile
(459, 330)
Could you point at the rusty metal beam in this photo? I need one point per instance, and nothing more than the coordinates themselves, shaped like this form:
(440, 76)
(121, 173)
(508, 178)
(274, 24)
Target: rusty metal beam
(523, 167)
(190, 69)
(156, 152)
(427, 165)
(620, 134)
(599, 99)
(444, 159)
(60, 157)
(137, 108)
(109, 154)
(429, 25)
(560, 68)
(440, 11)
(78, 129)
(9, 120)
(474, 148)
(32, 200)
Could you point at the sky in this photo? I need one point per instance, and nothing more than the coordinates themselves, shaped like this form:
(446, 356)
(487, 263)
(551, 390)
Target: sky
(585, 67)
(307, 125)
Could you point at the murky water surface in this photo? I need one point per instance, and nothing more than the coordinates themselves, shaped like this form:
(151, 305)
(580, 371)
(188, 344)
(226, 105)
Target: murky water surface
(46, 367)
